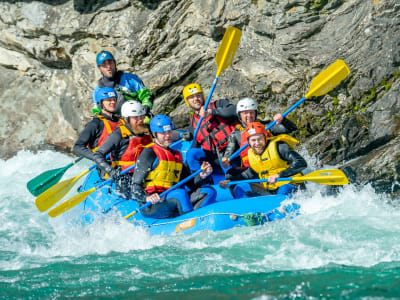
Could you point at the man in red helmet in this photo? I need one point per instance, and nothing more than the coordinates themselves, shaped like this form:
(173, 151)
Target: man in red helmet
(269, 158)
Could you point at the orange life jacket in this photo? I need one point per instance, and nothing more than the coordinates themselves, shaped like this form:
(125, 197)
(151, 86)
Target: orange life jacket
(136, 144)
(109, 127)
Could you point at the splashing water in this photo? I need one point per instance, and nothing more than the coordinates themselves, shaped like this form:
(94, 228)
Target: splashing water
(345, 245)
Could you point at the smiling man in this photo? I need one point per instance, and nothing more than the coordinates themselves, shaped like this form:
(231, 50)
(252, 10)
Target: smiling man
(269, 157)
(246, 110)
(219, 121)
(159, 167)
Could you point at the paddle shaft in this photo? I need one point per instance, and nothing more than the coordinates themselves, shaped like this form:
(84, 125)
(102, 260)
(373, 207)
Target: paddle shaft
(236, 154)
(205, 108)
(165, 193)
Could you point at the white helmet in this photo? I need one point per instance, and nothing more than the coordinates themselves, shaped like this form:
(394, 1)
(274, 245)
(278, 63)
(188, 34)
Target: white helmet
(132, 109)
(246, 104)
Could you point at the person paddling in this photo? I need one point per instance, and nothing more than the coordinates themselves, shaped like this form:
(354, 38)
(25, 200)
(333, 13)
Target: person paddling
(123, 145)
(101, 126)
(219, 121)
(129, 86)
(246, 110)
(159, 167)
(269, 157)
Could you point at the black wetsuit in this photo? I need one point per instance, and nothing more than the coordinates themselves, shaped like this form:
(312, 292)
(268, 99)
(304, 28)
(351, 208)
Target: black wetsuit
(169, 207)
(90, 136)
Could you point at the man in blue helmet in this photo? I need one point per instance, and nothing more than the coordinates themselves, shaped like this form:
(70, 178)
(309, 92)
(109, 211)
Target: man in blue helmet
(129, 86)
(159, 167)
(102, 124)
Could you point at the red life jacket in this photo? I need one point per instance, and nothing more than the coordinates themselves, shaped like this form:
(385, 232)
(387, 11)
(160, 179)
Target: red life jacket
(109, 127)
(135, 146)
(214, 131)
(168, 171)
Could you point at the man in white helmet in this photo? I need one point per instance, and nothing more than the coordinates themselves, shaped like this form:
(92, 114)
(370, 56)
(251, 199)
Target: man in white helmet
(246, 110)
(123, 145)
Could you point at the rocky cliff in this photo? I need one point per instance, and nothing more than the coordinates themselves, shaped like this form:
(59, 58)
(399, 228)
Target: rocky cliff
(47, 68)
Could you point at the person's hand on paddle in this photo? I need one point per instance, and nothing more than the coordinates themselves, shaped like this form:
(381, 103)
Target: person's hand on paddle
(207, 169)
(154, 198)
(272, 179)
(205, 113)
(226, 162)
(278, 118)
(224, 183)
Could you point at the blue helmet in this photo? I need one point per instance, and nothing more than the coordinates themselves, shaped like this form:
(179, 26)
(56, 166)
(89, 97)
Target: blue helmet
(102, 56)
(104, 93)
(161, 123)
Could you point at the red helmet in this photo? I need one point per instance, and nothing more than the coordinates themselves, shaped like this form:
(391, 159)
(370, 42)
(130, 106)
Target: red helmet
(255, 128)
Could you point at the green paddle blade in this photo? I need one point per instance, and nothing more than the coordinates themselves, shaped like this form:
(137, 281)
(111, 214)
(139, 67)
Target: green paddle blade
(327, 177)
(227, 49)
(70, 203)
(328, 79)
(55, 193)
(47, 179)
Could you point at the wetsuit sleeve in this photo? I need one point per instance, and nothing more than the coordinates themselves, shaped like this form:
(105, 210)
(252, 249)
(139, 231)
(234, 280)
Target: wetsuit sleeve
(224, 109)
(297, 162)
(88, 137)
(286, 127)
(109, 145)
(235, 174)
(144, 164)
(233, 143)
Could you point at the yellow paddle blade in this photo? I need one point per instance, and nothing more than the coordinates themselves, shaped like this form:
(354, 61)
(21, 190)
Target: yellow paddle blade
(328, 79)
(328, 177)
(70, 203)
(54, 194)
(227, 49)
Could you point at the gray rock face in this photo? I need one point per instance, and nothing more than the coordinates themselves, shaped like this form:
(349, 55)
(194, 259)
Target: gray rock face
(47, 68)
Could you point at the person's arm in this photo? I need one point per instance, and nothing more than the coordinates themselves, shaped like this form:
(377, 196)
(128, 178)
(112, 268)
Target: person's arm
(224, 109)
(109, 145)
(144, 164)
(88, 137)
(297, 162)
(285, 127)
(233, 143)
(196, 182)
(236, 174)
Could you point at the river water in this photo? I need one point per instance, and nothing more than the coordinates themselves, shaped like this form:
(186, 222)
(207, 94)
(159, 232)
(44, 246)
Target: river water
(344, 246)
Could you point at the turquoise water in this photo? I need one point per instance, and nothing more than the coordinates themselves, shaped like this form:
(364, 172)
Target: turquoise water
(345, 246)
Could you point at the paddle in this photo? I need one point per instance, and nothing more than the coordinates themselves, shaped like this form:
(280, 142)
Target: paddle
(55, 193)
(47, 179)
(78, 198)
(322, 84)
(225, 54)
(165, 193)
(327, 177)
